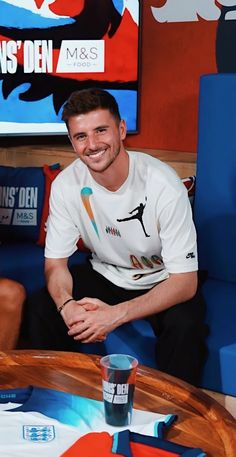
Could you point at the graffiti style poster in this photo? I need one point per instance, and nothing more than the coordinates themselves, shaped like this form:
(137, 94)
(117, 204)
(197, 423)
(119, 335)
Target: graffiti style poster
(181, 40)
(49, 48)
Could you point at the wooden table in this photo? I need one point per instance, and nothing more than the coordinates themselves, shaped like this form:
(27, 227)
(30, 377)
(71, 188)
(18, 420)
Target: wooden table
(202, 422)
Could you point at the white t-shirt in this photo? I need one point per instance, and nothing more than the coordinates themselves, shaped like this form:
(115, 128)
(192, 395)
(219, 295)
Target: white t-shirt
(137, 234)
(45, 422)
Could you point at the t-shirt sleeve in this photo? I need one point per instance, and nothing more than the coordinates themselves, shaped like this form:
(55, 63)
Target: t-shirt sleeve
(62, 234)
(178, 234)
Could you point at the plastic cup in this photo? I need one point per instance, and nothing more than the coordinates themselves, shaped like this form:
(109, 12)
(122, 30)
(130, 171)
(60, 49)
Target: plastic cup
(118, 382)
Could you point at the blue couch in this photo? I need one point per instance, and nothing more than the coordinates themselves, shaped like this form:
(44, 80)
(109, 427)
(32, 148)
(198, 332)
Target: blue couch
(215, 218)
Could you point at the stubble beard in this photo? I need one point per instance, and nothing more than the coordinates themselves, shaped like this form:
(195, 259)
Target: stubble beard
(109, 163)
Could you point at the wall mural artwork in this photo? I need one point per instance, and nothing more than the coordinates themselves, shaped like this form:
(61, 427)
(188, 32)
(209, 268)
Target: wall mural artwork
(49, 48)
(181, 40)
(223, 11)
(226, 39)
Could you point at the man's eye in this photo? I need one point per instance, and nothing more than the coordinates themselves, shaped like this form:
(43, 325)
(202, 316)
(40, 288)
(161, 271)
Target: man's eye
(102, 130)
(81, 137)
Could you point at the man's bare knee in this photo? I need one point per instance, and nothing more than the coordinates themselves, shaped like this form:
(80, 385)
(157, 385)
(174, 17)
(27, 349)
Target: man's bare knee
(12, 295)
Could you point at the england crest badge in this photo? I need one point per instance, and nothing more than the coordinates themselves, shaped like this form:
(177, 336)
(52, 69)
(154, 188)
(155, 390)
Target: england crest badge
(39, 433)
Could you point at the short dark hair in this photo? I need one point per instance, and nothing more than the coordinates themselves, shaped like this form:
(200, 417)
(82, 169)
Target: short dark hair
(87, 100)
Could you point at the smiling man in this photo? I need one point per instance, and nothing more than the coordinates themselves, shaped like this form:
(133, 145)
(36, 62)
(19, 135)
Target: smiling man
(132, 212)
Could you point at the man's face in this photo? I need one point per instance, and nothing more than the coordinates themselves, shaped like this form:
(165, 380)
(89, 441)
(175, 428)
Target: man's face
(96, 138)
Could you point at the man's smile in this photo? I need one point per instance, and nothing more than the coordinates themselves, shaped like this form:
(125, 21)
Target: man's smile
(96, 154)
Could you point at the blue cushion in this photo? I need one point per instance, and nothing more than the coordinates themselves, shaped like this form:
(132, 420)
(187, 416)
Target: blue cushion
(24, 262)
(215, 220)
(215, 197)
(135, 338)
(21, 202)
(220, 369)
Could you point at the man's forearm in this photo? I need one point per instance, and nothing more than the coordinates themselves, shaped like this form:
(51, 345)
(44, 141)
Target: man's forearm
(177, 288)
(59, 282)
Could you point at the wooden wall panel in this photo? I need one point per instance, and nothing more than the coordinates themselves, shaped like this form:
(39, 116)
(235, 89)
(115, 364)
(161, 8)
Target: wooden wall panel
(36, 155)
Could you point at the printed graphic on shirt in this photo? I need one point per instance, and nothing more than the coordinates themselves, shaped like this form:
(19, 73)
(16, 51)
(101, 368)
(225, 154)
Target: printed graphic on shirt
(39, 433)
(145, 262)
(86, 193)
(138, 215)
(112, 231)
(142, 275)
(190, 255)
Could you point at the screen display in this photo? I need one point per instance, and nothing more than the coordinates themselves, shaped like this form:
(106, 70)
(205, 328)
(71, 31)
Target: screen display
(49, 48)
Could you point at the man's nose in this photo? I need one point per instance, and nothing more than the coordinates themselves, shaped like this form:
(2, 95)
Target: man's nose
(91, 142)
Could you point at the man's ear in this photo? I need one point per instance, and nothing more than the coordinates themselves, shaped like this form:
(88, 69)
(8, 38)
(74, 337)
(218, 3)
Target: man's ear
(122, 129)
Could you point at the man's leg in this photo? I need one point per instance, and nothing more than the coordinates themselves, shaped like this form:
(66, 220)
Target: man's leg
(46, 327)
(181, 333)
(12, 296)
(180, 330)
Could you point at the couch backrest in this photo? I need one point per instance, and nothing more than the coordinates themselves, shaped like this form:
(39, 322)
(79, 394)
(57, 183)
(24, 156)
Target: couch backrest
(215, 194)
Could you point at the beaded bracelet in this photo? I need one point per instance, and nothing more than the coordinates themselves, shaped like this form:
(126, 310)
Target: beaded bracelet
(64, 304)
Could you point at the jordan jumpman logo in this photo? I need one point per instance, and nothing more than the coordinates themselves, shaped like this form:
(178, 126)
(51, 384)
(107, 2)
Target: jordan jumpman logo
(138, 215)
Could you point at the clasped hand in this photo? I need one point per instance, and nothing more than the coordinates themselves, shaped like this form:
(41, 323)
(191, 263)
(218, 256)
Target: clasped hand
(91, 321)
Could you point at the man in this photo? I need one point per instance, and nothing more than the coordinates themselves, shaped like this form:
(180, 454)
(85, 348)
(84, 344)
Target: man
(133, 213)
(12, 297)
